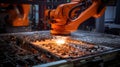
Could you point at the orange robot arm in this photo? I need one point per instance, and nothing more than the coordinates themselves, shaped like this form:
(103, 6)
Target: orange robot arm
(18, 14)
(22, 19)
(66, 18)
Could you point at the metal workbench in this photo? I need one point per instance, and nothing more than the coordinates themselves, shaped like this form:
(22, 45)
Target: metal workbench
(91, 37)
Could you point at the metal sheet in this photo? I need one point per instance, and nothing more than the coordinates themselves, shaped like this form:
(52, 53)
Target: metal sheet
(18, 51)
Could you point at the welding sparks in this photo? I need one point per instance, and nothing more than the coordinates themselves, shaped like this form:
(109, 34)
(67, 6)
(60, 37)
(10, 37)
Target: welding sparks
(60, 40)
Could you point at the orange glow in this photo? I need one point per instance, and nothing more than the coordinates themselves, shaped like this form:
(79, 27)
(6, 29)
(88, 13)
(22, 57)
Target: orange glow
(60, 40)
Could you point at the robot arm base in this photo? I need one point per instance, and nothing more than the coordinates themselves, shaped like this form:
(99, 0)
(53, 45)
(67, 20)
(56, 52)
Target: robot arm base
(64, 33)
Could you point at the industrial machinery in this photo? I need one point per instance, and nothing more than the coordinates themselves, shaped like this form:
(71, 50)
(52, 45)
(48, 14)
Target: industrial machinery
(41, 49)
(13, 17)
(15, 14)
(67, 17)
(64, 19)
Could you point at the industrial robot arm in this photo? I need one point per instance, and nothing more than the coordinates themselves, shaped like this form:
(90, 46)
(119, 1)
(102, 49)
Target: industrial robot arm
(66, 18)
(17, 13)
(22, 12)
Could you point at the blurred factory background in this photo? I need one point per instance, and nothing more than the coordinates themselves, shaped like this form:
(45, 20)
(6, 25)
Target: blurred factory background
(108, 23)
